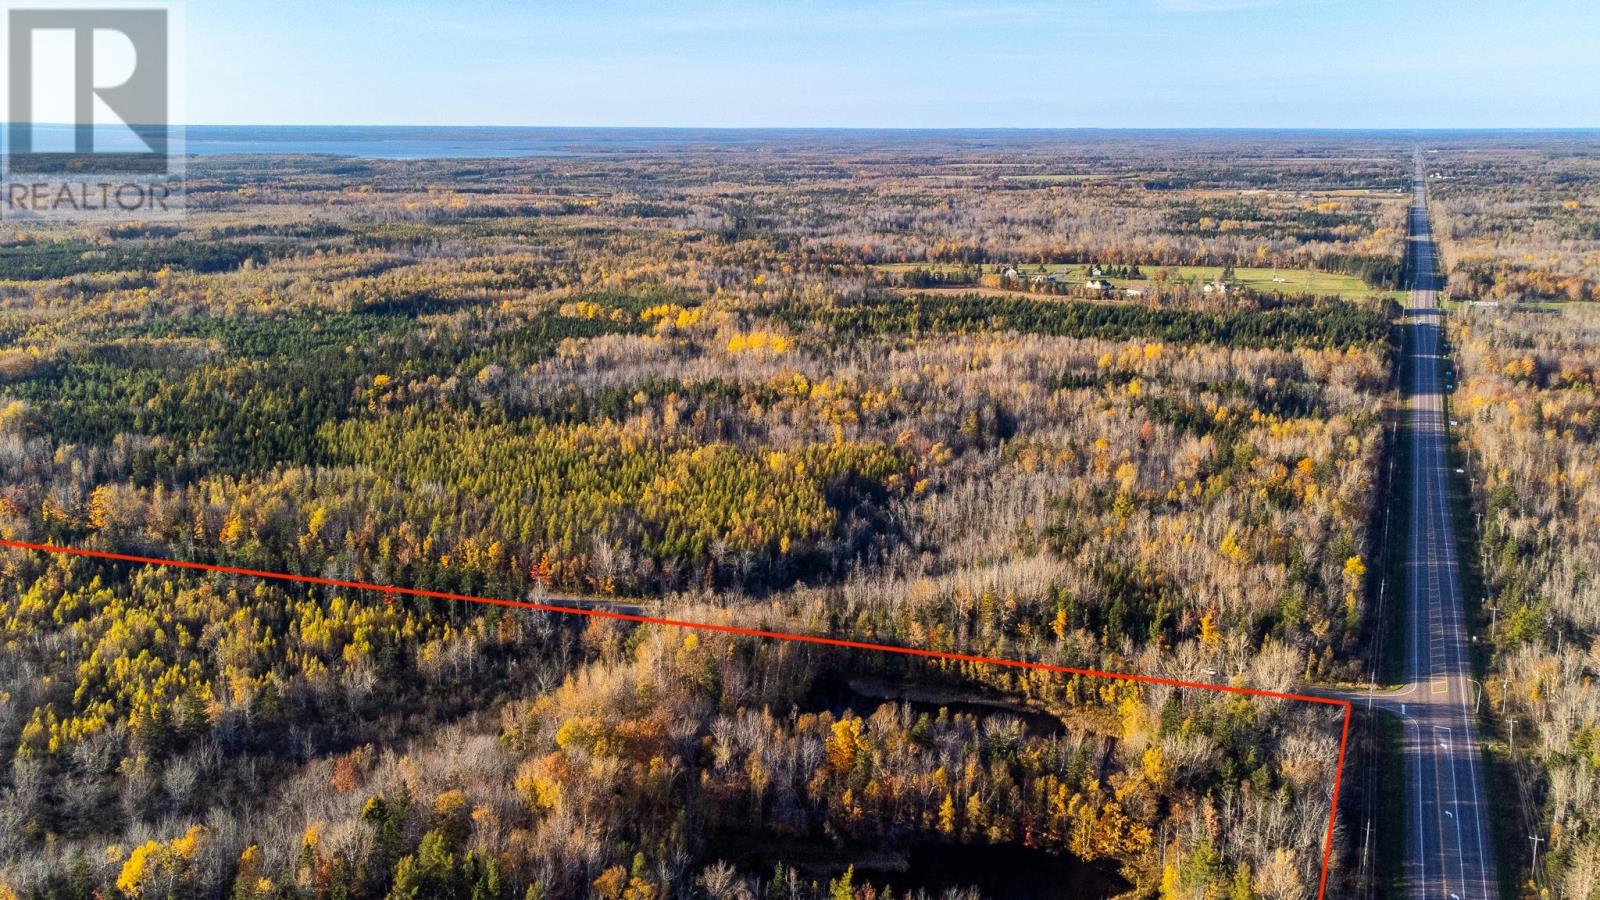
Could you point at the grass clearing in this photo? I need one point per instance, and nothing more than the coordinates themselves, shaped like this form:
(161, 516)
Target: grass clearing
(1266, 280)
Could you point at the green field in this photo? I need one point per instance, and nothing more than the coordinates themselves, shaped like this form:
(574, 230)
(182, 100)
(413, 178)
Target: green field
(1287, 280)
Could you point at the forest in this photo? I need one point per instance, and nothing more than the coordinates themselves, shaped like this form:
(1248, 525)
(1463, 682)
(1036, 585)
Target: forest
(678, 383)
(1531, 422)
(1518, 220)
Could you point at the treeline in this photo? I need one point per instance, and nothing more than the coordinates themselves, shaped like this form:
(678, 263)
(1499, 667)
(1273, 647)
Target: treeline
(279, 379)
(1379, 272)
(675, 513)
(1329, 220)
(65, 259)
(1330, 325)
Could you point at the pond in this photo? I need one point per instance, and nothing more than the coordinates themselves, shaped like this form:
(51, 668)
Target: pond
(999, 872)
(836, 694)
(996, 871)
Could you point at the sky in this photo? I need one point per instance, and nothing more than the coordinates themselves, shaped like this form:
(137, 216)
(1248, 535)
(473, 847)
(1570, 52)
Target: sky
(897, 64)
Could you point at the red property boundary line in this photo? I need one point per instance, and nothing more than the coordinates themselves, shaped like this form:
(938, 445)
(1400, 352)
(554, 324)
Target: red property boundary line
(1344, 736)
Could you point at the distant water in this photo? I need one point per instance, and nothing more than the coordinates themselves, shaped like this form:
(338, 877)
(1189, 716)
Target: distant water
(422, 142)
(461, 142)
(419, 142)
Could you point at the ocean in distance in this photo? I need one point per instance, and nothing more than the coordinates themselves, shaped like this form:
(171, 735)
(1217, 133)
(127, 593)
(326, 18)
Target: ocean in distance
(483, 142)
(467, 142)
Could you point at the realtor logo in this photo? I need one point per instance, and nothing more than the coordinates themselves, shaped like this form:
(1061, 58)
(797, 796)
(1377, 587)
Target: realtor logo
(90, 97)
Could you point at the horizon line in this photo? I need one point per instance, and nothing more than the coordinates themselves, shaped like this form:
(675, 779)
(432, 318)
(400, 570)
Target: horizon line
(901, 128)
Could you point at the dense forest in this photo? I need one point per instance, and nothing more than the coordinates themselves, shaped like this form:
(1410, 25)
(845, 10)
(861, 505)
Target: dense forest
(674, 383)
(1528, 401)
(1519, 220)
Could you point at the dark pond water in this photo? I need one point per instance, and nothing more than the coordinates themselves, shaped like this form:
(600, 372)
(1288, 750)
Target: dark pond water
(996, 871)
(864, 695)
(1000, 872)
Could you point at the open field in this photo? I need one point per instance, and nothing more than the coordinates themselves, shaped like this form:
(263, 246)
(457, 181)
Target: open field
(1262, 280)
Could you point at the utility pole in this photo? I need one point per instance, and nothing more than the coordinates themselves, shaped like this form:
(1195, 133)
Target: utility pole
(1365, 842)
(1536, 842)
(1372, 680)
(1511, 742)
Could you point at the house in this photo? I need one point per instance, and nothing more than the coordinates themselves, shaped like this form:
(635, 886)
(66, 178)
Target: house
(1220, 288)
(1097, 284)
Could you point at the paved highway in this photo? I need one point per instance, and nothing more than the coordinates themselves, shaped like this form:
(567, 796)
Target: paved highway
(1450, 847)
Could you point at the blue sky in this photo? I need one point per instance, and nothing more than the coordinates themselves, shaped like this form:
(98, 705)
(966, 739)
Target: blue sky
(1114, 63)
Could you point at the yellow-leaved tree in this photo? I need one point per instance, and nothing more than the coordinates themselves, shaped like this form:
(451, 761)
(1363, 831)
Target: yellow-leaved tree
(155, 869)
